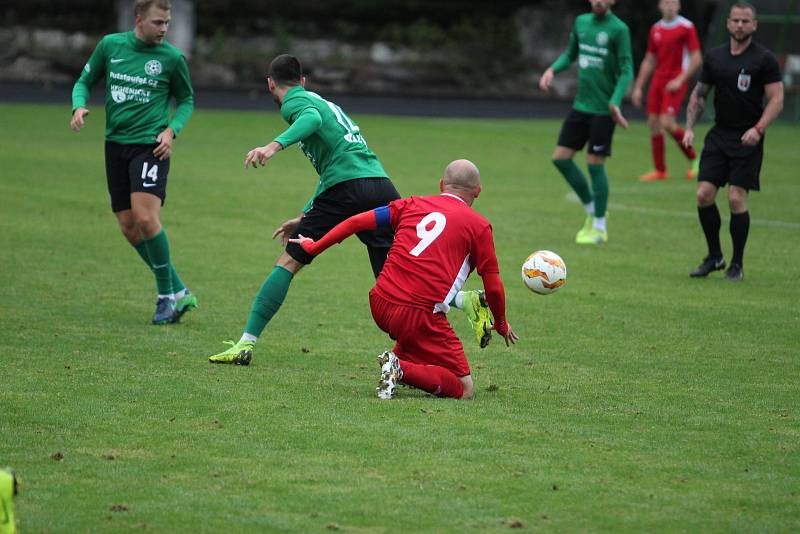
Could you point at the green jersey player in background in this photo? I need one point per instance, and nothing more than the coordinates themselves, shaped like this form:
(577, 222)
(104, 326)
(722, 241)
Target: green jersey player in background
(601, 43)
(351, 181)
(142, 72)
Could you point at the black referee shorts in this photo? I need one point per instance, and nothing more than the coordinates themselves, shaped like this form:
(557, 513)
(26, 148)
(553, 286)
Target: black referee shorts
(725, 160)
(339, 202)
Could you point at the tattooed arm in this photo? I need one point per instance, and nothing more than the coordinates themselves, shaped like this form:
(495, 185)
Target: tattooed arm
(697, 105)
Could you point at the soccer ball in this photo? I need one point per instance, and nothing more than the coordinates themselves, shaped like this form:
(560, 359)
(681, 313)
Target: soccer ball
(544, 272)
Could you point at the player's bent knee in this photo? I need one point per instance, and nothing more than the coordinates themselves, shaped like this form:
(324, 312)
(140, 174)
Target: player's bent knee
(147, 223)
(286, 261)
(667, 122)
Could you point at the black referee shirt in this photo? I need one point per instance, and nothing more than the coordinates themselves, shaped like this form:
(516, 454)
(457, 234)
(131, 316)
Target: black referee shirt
(738, 83)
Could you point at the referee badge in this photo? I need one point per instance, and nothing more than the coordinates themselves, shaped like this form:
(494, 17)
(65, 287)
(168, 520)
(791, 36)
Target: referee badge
(743, 83)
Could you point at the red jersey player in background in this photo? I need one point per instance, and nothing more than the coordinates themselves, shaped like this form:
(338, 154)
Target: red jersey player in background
(670, 40)
(438, 241)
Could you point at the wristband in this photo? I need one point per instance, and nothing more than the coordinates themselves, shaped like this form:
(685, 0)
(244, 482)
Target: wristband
(760, 129)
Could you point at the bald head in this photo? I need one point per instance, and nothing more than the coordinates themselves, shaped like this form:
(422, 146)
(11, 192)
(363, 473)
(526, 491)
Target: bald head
(462, 178)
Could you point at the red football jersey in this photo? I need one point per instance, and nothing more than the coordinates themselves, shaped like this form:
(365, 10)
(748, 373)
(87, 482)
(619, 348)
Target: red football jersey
(671, 43)
(438, 241)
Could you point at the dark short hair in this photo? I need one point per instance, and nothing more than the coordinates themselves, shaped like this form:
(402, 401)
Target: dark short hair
(741, 4)
(285, 70)
(140, 7)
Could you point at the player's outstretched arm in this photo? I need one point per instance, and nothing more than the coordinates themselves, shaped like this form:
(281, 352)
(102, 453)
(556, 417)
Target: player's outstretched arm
(367, 220)
(261, 154)
(286, 229)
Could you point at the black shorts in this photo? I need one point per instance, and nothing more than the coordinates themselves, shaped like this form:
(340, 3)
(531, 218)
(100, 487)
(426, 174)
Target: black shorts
(134, 169)
(339, 202)
(725, 160)
(580, 127)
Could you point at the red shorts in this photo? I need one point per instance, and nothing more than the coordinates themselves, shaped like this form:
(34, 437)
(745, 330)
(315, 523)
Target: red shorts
(422, 337)
(662, 102)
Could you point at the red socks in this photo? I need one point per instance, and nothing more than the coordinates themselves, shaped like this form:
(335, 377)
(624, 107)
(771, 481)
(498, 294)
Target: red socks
(432, 379)
(657, 145)
(678, 136)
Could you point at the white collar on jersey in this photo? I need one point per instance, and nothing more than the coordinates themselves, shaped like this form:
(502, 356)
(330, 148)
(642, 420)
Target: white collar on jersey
(452, 195)
(674, 23)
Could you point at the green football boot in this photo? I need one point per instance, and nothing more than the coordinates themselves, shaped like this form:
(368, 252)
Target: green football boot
(8, 488)
(592, 237)
(477, 310)
(239, 354)
(587, 226)
(184, 304)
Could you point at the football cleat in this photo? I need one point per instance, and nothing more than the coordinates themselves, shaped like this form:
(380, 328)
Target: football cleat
(654, 176)
(694, 170)
(587, 225)
(165, 311)
(8, 488)
(477, 310)
(592, 237)
(708, 265)
(391, 375)
(184, 304)
(239, 354)
(735, 273)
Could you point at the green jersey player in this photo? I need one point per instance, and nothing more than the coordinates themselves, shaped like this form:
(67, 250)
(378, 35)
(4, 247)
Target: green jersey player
(142, 73)
(601, 43)
(351, 181)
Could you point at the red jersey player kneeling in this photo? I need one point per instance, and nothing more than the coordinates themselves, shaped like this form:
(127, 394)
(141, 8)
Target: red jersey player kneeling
(438, 241)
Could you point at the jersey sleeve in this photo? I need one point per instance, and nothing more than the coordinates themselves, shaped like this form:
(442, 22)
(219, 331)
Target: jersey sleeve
(692, 41)
(482, 254)
(396, 208)
(304, 124)
(93, 70)
(706, 72)
(625, 62)
(569, 55)
(771, 72)
(180, 86)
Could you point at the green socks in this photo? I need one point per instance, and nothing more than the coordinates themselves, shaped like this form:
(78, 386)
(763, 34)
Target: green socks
(600, 188)
(177, 283)
(268, 300)
(575, 178)
(157, 248)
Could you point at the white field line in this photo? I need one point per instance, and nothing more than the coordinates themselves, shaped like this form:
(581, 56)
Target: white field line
(693, 215)
(572, 197)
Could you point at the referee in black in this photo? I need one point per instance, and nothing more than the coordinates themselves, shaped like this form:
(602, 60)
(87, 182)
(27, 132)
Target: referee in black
(744, 74)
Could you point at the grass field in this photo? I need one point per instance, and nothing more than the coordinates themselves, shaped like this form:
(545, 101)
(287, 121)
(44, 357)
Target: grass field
(638, 399)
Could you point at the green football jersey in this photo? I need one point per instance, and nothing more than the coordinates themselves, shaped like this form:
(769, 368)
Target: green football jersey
(602, 47)
(140, 79)
(336, 148)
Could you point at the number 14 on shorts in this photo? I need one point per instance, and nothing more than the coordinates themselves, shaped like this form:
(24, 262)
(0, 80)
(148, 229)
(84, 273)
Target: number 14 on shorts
(152, 173)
